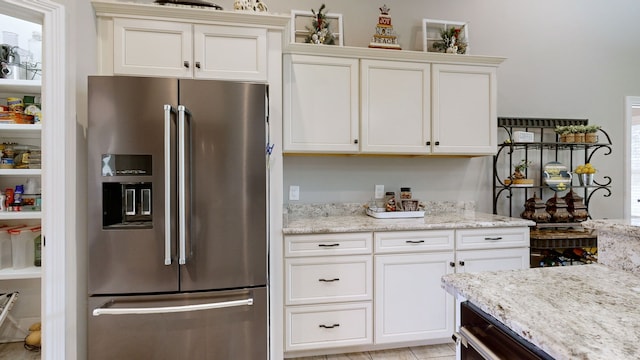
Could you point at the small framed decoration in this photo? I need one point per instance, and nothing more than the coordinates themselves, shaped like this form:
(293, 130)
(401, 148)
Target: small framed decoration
(445, 36)
(316, 27)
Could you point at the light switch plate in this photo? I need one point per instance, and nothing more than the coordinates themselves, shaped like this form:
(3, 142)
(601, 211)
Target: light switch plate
(379, 193)
(294, 192)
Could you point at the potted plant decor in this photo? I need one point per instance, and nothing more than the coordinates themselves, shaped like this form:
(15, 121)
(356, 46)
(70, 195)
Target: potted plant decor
(590, 136)
(579, 132)
(518, 178)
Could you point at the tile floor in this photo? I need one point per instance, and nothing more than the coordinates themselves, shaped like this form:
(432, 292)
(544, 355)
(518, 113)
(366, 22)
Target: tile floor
(16, 351)
(432, 352)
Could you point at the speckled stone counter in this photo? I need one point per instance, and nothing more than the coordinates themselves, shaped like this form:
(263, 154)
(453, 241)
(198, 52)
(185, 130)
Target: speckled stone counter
(618, 243)
(331, 218)
(575, 312)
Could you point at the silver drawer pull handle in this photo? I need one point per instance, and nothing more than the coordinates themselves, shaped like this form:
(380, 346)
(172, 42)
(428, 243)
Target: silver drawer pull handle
(170, 309)
(329, 245)
(329, 280)
(329, 326)
(477, 344)
(494, 238)
(414, 241)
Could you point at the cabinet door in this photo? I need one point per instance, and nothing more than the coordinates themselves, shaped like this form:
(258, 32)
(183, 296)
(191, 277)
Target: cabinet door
(410, 302)
(395, 105)
(230, 53)
(463, 105)
(152, 48)
(492, 260)
(320, 104)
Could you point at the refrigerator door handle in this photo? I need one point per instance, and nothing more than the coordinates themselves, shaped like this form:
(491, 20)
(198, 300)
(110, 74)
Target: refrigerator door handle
(182, 186)
(168, 109)
(169, 309)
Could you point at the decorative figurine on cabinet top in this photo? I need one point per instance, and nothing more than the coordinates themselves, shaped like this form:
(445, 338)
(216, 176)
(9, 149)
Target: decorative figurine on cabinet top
(259, 5)
(385, 37)
(320, 33)
(452, 40)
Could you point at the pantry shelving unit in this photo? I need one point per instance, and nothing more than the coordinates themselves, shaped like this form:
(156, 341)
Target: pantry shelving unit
(546, 146)
(21, 133)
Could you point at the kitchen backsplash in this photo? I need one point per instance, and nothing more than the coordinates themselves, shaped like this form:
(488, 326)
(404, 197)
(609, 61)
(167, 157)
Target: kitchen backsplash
(345, 209)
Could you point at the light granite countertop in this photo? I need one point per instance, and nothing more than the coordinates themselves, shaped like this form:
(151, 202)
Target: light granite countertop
(572, 312)
(621, 226)
(618, 243)
(463, 219)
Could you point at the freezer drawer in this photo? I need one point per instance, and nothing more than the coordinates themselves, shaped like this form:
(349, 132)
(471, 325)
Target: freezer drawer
(158, 327)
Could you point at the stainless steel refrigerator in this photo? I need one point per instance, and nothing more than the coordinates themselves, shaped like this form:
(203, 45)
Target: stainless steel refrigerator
(177, 229)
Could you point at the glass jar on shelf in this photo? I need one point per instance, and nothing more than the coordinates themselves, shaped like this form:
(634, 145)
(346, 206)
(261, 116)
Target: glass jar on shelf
(405, 193)
(390, 201)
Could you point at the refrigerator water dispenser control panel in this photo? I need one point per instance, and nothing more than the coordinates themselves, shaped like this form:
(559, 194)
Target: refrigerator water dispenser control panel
(126, 165)
(126, 205)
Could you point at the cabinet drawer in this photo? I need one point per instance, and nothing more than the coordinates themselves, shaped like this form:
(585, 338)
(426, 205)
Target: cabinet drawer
(411, 241)
(328, 279)
(491, 238)
(492, 260)
(327, 244)
(327, 326)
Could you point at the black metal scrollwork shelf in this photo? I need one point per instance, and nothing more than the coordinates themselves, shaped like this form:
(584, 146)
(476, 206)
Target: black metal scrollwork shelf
(509, 199)
(548, 146)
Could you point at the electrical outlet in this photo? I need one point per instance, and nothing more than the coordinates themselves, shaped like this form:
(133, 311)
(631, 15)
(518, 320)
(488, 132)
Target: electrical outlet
(379, 192)
(294, 192)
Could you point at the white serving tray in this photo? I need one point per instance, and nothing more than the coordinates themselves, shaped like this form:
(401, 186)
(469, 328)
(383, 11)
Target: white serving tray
(395, 214)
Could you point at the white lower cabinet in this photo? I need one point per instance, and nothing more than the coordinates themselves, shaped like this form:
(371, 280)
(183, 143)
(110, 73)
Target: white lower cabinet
(409, 301)
(492, 249)
(328, 291)
(367, 289)
(492, 260)
(328, 279)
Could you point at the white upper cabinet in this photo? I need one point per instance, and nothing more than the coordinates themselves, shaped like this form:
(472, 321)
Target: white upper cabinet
(164, 48)
(395, 107)
(464, 111)
(401, 102)
(320, 104)
(229, 52)
(183, 42)
(152, 48)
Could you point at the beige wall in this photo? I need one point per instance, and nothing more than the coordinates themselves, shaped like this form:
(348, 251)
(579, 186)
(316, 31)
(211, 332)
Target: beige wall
(565, 59)
(568, 59)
